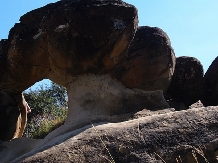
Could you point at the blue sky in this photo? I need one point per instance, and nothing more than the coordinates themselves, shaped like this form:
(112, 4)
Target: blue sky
(192, 26)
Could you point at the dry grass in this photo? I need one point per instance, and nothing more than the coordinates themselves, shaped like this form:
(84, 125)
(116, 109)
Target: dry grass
(48, 124)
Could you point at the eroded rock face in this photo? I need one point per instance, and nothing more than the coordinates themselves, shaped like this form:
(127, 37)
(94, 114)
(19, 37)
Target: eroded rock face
(187, 81)
(13, 115)
(65, 39)
(211, 85)
(96, 96)
(150, 61)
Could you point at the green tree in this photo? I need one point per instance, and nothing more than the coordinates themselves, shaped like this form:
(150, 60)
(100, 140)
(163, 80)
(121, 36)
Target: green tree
(49, 106)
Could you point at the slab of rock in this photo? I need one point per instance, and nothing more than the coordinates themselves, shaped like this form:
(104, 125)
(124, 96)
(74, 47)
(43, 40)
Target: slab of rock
(150, 61)
(211, 85)
(66, 39)
(187, 81)
(186, 136)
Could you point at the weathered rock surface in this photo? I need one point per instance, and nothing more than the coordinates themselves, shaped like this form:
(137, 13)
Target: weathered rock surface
(150, 61)
(187, 136)
(66, 39)
(75, 43)
(187, 81)
(211, 85)
(13, 115)
(95, 96)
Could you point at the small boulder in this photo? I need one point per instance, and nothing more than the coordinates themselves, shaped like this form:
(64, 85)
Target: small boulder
(211, 85)
(150, 61)
(187, 81)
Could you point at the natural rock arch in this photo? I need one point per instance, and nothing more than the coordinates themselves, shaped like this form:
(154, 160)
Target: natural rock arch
(57, 42)
(47, 44)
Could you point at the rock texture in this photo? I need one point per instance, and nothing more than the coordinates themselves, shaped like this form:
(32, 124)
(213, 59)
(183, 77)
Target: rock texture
(13, 115)
(82, 44)
(187, 136)
(150, 61)
(96, 96)
(211, 85)
(66, 39)
(187, 81)
(93, 98)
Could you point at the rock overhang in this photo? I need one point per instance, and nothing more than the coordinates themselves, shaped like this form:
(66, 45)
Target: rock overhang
(67, 38)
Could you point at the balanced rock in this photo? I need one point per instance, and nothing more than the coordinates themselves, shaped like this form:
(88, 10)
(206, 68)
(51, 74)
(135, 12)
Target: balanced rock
(211, 85)
(64, 39)
(150, 61)
(187, 81)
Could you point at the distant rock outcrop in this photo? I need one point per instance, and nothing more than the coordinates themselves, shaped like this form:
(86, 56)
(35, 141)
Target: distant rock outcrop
(150, 61)
(187, 81)
(211, 85)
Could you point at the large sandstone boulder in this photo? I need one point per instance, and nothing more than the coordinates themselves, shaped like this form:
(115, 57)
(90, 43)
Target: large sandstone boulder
(211, 85)
(150, 61)
(187, 81)
(65, 39)
(184, 136)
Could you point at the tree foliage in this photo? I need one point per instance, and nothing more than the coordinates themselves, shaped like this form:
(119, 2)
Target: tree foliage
(47, 103)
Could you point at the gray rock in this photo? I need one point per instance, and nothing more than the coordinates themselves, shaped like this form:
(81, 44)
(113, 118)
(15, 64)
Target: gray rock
(184, 136)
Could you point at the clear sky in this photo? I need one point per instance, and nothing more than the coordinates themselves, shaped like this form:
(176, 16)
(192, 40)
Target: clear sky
(192, 26)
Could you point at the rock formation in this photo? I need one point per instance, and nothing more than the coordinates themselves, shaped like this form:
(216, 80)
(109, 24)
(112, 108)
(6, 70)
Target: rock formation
(64, 39)
(58, 42)
(150, 61)
(85, 45)
(210, 85)
(13, 115)
(187, 81)
(96, 96)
